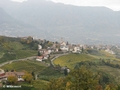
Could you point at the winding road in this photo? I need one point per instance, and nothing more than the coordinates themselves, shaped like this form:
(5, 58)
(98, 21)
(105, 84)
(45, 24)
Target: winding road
(58, 55)
(28, 58)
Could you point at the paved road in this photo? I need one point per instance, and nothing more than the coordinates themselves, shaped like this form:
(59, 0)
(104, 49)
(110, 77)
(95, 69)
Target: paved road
(28, 58)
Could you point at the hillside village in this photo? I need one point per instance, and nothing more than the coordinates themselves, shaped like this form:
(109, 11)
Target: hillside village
(59, 45)
(45, 53)
(65, 47)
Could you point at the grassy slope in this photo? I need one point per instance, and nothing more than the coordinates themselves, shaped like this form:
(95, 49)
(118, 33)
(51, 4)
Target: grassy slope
(1, 54)
(71, 59)
(45, 73)
(50, 73)
(25, 53)
(16, 45)
(16, 52)
(40, 84)
(112, 71)
(25, 65)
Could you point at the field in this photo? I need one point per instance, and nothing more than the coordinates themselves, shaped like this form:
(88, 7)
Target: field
(49, 73)
(29, 66)
(17, 54)
(40, 84)
(25, 53)
(16, 45)
(72, 59)
(43, 72)
(12, 48)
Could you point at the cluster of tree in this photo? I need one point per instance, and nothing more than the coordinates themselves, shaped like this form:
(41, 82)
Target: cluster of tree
(4, 42)
(82, 79)
(30, 42)
(85, 63)
(27, 42)
(47, 44)
(108, 63)
(13, 79)
(28, 77)
(8, 39)
(101, 62)
(93, 52)
(64, 71)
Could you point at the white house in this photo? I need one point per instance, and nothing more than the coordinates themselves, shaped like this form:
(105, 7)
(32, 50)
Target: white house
(77, 49)
(63, 43)
(64, 48)
(39, 47)
(39, 58)
(19, 75)
(109, 51)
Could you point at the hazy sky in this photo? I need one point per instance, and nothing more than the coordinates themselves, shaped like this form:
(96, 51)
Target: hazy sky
(113, 4)
(19, 0)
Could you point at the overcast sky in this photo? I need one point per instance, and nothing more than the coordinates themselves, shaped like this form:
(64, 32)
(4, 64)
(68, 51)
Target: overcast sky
(113, 4)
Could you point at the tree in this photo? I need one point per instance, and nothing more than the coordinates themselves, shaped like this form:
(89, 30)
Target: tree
(12, 79)
(65, 72)
(33, 74)
(78, 79)
(67, 43)
(82, 50)
(111, 87)
(1, 39)
(49, 44)
(29, 39)
(57, 84)
(39, 54)
(82, 79)
(28, 77)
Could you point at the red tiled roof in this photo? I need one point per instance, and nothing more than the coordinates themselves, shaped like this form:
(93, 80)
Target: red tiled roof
(3, 74)
(19, 73)
(10, 74)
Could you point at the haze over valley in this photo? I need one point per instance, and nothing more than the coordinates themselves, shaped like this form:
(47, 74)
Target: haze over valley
(52, 21)
(60, 45)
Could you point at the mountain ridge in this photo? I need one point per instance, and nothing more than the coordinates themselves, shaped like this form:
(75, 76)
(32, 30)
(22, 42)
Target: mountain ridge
(82, 23)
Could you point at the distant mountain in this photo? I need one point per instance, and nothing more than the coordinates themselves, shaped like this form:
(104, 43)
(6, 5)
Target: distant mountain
(12, 27)
(76, 24)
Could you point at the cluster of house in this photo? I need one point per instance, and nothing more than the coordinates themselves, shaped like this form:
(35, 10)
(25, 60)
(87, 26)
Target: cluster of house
(65, 47)
(4, 75)
(110, 51)
(44, 53)
(56, 48)
(106, 48)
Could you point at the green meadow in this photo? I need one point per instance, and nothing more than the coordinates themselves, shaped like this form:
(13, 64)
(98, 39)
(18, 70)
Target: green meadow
(71, 60)
(28, 65)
